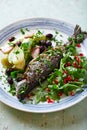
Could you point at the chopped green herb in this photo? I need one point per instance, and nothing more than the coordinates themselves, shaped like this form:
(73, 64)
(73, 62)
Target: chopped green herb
(22, 31)
(12, 89)
(27, 29)
(23, 89)
(38, 58)
(17, 52)
(47, 62)
(70, 38)
(39, 33)
(5, 81)
(56, 32)
(11, 43)
(23, 101)
(61, 35)
(0, 77)
(15, 73)
(39, 70)
(4, 87)
(26, 47)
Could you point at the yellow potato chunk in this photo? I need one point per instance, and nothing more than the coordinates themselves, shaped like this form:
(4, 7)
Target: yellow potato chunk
(20, 65)
(16, 57)
(4, 60)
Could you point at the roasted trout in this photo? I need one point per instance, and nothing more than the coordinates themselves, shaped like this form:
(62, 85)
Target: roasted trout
(37, 71)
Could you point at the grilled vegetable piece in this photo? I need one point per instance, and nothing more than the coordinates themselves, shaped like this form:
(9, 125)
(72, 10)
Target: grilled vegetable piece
(37, 71)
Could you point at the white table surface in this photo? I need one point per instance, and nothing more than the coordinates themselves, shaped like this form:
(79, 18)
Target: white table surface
(71, 11)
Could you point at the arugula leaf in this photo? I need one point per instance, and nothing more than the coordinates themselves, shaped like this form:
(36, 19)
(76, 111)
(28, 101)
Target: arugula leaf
(40, 96)
(69, 87)
(53, 94)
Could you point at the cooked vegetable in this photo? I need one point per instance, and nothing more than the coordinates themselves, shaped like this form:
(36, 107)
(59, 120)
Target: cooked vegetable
(16, 57)
(4, 60)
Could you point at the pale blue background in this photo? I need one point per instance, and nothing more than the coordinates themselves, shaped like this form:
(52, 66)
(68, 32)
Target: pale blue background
(71, 11)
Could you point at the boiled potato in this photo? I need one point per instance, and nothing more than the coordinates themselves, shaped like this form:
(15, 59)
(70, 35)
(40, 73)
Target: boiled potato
(4, 60)
(16, 57)
(20, 65)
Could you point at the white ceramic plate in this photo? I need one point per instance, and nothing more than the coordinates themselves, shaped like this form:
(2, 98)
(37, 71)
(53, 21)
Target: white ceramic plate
(32, 24)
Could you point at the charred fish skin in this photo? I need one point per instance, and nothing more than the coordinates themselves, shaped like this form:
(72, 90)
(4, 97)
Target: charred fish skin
(37, 71)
